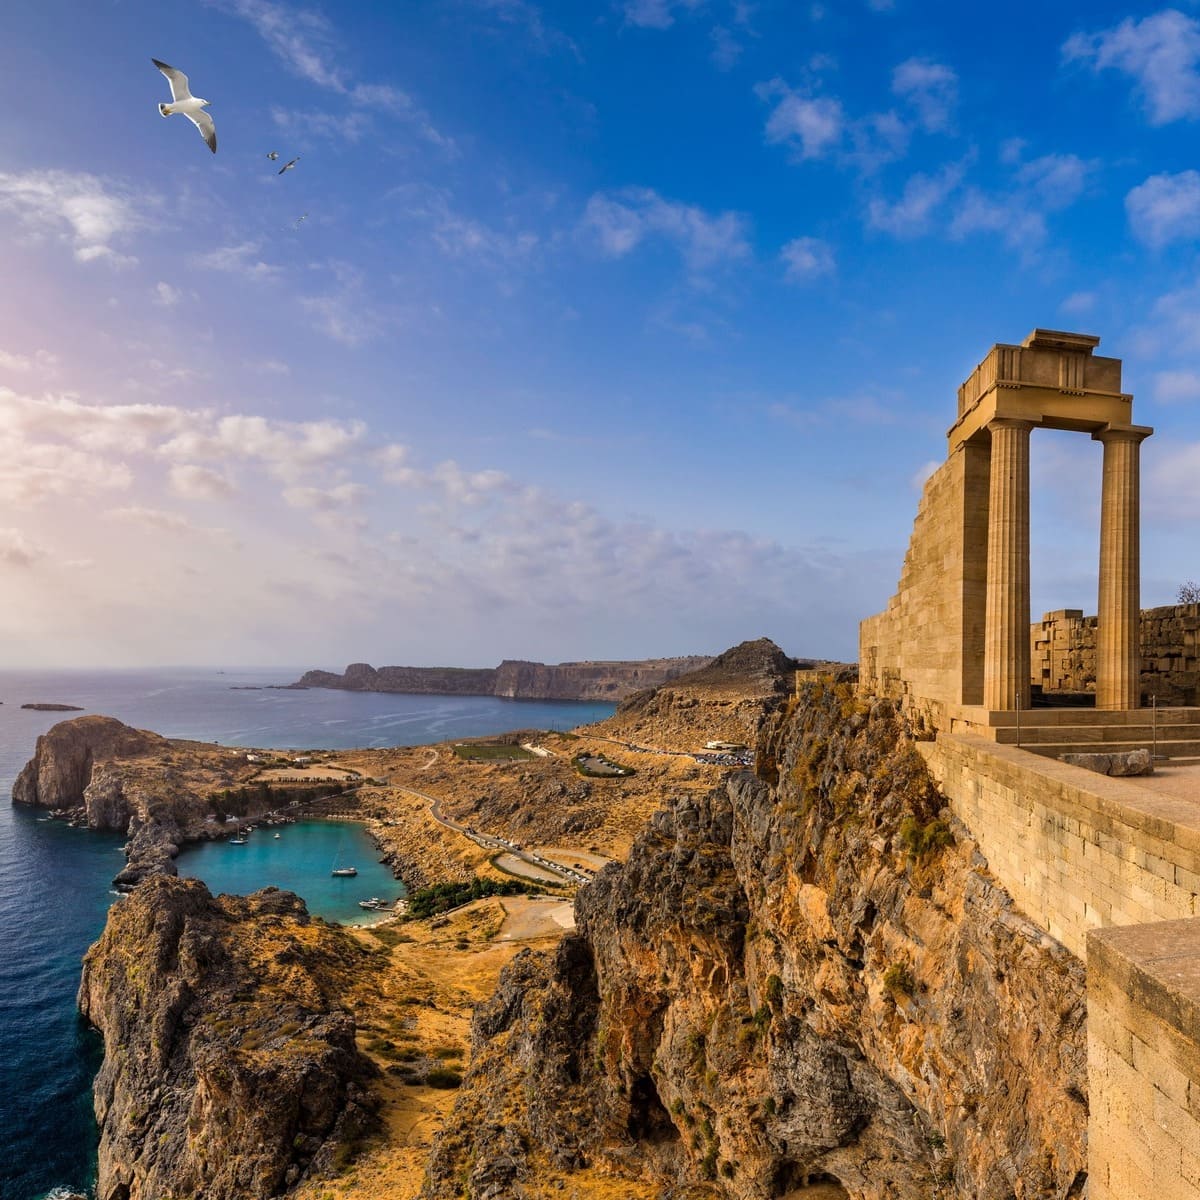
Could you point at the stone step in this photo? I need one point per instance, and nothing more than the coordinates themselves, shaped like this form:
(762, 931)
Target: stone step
(1100, 736)
(1177, 750)
(1032, 717)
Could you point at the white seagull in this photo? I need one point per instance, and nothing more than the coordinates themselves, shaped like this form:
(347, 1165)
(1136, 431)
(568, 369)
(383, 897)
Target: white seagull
(182, 101)
(272, 154)
(287, 166)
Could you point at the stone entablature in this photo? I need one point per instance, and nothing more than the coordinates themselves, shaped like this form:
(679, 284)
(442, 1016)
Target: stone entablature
(1063, 653)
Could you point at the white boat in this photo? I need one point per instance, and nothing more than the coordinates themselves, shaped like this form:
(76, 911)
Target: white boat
(373, 903)
(344, 871)
(277, 835)
(238, 841)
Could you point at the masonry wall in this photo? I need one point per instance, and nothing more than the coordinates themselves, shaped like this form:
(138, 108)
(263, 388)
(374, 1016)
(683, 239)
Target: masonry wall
(927, 645)
(1144, 1062)
(1113, 872)
(1063, 655)
(1075, 850)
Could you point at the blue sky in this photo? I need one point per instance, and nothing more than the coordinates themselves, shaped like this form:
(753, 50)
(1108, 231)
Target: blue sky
(579, 330)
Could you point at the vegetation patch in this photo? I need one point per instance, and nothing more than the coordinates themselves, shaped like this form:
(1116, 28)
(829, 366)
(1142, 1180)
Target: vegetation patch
(442, 897)
(490, 751)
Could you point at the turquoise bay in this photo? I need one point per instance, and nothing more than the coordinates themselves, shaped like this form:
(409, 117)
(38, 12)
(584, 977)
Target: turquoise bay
(55, 881)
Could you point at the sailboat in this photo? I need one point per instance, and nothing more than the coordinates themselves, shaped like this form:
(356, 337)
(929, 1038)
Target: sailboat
(343, 872)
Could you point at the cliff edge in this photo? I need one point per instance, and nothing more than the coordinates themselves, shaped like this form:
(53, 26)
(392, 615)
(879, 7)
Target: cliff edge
(230, 1068)
(805, 975)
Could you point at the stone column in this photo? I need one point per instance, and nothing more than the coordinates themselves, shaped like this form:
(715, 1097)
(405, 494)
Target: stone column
(1006, 636)
(1118, 649)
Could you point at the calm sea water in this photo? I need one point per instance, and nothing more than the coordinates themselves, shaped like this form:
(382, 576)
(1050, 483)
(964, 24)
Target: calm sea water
(54, 881)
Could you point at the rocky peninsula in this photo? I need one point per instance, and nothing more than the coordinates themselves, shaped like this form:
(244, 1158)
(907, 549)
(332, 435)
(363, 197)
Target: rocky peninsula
(512, 679)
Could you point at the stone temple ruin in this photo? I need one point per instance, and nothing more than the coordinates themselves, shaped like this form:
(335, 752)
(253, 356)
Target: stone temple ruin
(1108, 867)
(955, 641)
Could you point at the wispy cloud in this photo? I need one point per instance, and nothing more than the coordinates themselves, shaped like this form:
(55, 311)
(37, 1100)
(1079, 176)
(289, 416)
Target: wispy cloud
(656, 14)
(932, 90)
(1165, 208)
(622, 220)
(807, 258)
(913, 212)
(812, 125)
(240, 259)
(1162, 54)
(16, 550)
(92, 215)
(1177, 387)
(199, 483)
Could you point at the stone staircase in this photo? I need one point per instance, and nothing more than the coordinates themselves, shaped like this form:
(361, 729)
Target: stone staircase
(1055, 731)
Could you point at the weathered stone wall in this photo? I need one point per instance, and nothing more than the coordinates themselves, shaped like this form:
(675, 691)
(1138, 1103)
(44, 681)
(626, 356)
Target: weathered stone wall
(1144, 1062)
(1076, 851)
(1063, 657)
(926, 647)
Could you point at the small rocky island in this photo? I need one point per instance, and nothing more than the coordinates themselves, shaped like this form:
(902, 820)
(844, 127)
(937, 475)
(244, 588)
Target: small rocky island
(53, 707)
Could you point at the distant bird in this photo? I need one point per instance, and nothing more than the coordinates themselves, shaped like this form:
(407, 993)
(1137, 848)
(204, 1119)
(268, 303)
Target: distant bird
(272, 154)
(297, 222)
(184, 102)
(287, 166)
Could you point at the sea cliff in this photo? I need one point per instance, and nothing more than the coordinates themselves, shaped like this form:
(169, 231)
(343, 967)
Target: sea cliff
(807, 974)
(512, 679)
(230, 1068)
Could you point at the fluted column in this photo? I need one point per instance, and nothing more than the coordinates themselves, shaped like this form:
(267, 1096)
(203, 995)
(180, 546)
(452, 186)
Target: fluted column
(1006, 636)
(1118, 649)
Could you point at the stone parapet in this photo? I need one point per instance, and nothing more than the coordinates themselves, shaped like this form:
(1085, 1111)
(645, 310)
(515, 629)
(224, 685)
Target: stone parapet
(1144, 1062)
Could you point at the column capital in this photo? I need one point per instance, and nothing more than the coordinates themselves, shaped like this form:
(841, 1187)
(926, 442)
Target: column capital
(1122, 433)
(1010, 423)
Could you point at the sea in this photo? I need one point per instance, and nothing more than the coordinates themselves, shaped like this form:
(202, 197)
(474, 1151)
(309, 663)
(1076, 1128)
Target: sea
(55, 882)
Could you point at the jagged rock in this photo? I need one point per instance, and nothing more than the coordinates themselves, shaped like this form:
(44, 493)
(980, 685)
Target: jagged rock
(226, 1072)
(807, 974)
(1120, 762)
(61, 769)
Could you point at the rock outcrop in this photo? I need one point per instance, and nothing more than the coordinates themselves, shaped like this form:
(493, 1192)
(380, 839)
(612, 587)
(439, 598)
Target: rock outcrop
(61, 771)
(512, 679)
(104, 774)
(806, 975)
(230, 1068)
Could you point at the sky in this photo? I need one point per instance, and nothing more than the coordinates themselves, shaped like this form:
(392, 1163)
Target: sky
(579, 330)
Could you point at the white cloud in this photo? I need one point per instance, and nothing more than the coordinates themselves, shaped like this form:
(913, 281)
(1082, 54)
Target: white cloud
(1055, 180)
(83, 210)
(656, 14)
(328, 499)
(344, 313)
(726, 49)
(199, 483)
(1010, 217)
(807, 258)
(153, 518)
(16, 550)
(1165, 208)
(302, 39)
(240, 259)
(1172, 490)
(1177, 387)
(165, 295)
(1161, 52)
(812, 125)
(1078, 303)
(919, 201)
(40, 360)
(931, 88)
(622, 220)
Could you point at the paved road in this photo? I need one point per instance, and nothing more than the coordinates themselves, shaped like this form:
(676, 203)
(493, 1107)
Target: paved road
(540, 869)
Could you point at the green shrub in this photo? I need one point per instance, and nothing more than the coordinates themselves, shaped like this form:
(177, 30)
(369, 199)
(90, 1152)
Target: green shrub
(898, 979)
(920, 840)
(773, 991)
(441, 1077)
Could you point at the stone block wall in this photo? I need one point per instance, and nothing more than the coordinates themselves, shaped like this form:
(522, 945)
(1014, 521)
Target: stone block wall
(926, 647)
(1063, 657)
(1112, 871)
(1076, 851)
(1144, 1062)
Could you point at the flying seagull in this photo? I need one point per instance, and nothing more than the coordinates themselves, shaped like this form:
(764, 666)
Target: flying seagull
(272, 154)
(182, 101)
(287, 166)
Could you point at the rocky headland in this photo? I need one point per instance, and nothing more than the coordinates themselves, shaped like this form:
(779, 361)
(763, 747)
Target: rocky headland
(230, 1063)
(97, 771)
(512, 679)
